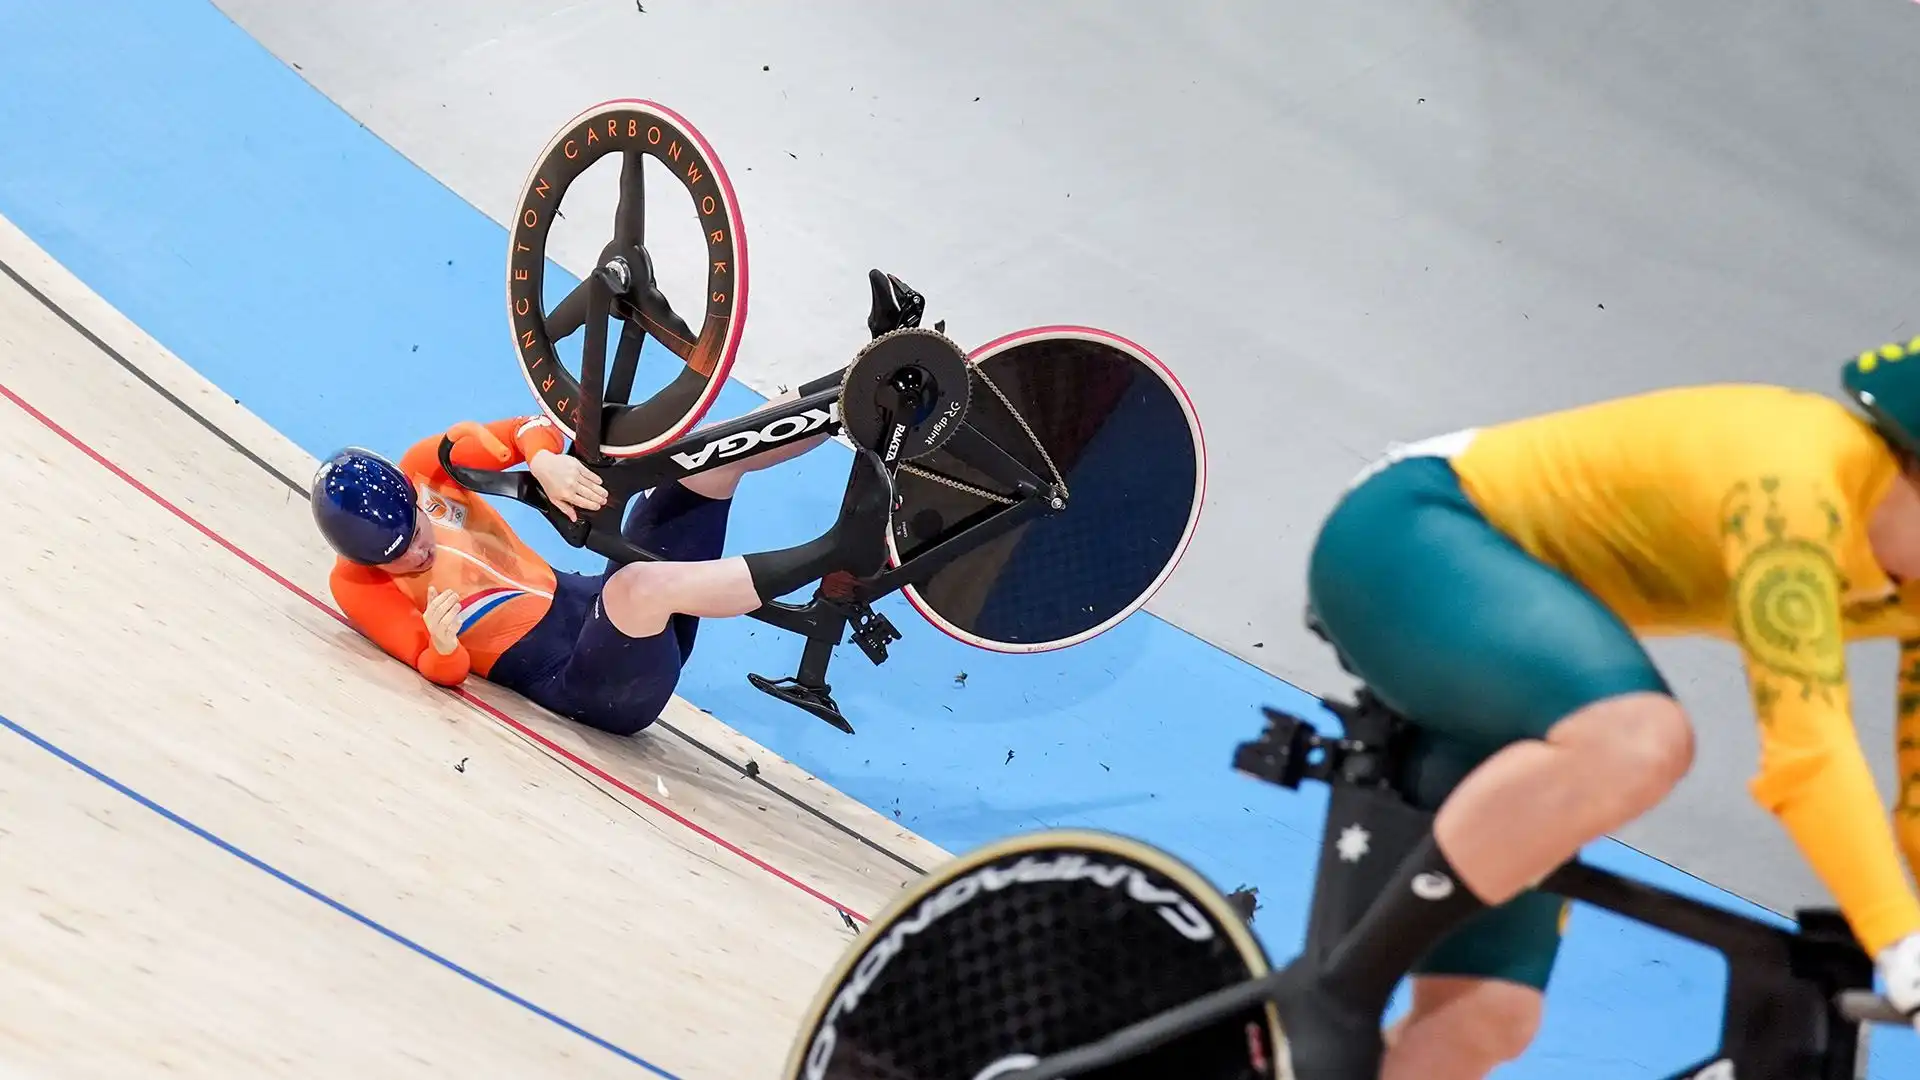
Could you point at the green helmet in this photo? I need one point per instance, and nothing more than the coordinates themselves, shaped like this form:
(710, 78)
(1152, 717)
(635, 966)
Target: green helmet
(1886, 383)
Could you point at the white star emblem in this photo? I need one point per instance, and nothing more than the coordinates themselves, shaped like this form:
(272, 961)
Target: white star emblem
(1353, 843)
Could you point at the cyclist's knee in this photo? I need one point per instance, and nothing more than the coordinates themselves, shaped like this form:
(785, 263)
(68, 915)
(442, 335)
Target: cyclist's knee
(639, 598)
(1462, 1027)
(1643, 742)
(1497, 1028)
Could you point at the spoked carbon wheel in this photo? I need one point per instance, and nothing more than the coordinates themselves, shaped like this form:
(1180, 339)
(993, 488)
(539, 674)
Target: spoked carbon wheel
(1034, 946)
(622, 286)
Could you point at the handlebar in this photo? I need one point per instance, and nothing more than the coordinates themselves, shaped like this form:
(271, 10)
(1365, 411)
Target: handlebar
(517, 485)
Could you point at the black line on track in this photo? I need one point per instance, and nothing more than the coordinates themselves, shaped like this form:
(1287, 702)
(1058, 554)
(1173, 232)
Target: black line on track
(133, 369)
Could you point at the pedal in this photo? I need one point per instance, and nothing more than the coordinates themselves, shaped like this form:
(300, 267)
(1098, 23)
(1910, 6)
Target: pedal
(872, 632)
(817, 700)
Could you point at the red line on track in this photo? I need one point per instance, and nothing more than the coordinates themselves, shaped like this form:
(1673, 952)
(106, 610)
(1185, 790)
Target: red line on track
(458, 692)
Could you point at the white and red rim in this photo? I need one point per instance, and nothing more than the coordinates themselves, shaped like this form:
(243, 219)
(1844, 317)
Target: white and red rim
(730, 345)
(1082, 333)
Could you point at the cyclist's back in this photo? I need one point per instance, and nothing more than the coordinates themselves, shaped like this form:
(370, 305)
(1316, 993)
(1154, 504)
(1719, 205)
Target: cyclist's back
(1493, 586)
(1643, 499)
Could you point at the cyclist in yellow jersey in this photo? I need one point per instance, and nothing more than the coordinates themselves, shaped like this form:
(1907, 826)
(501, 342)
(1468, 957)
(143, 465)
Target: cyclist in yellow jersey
(1493, 585)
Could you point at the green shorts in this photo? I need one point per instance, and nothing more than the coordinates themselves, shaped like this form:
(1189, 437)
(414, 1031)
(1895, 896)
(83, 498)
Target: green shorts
(1478, 644)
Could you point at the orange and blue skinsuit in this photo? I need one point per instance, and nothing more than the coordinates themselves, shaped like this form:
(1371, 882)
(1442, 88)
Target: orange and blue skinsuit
(522, 624)
(505, 587)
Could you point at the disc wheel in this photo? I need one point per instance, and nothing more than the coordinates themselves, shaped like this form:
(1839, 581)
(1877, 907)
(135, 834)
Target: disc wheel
(1103, 421)
(621, 287)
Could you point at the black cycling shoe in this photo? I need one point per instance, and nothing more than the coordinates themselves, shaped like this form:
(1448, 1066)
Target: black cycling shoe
(1326, 1037)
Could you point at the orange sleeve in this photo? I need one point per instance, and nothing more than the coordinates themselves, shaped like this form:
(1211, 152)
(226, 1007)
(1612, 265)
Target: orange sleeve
(499, 445)
(533, 434)
(386, 615)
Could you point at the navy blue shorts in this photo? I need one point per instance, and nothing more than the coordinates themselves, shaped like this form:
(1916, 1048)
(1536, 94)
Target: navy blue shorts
(575, 662)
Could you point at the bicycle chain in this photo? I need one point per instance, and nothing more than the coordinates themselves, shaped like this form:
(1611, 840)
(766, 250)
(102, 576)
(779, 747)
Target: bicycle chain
(1031, 437)
(958, 485)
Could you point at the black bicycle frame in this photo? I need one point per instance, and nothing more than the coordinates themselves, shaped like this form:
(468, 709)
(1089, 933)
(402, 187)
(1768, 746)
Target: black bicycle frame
(1796, 999)
(729, 443)
(824, 619)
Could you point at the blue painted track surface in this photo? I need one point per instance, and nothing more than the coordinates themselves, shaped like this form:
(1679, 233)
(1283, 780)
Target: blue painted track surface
(344, 295)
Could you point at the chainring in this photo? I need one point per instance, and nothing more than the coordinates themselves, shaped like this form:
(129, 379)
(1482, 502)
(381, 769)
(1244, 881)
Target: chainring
(928, 356)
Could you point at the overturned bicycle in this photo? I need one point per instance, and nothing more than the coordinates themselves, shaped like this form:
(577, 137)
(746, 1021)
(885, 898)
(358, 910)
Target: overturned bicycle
(1038, 489)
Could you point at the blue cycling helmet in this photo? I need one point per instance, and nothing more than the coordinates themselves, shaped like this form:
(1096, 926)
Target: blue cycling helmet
(1885, 382)
(364, 506)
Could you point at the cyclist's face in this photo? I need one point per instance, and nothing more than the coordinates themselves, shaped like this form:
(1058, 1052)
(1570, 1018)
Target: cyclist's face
(419, 553)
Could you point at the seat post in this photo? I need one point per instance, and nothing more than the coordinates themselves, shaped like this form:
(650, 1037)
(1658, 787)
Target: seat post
(1370, 827)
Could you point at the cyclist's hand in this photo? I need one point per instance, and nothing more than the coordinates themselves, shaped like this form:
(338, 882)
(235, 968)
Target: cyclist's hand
(443, 620)
(1899, 966)
(569, 484)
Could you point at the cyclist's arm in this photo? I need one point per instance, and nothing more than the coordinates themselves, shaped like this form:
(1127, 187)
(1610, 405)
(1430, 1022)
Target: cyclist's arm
(1813, 776)
(501, 444)
(1906, 754)
(383, 613)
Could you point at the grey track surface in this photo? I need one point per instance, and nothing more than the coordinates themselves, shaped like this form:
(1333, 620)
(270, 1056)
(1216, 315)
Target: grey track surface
(1341, 224)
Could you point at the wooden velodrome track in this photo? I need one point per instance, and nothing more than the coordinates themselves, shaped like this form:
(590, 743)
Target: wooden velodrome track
(236, 840)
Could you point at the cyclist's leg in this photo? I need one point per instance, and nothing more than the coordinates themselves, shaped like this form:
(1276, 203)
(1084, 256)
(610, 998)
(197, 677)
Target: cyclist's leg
(1478, 995)
(606, 675)
(643, 599)
(688, 529)
(1462, 1028)
(682, 525)
(1459, 629)
(720, 483)
(613, 681)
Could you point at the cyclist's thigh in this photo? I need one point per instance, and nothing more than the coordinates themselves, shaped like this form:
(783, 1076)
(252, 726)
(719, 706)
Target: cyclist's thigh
(1517, 942)
(681, 526)
(1455, 626)
(1478, 644)
(677, 524)
(617, 683)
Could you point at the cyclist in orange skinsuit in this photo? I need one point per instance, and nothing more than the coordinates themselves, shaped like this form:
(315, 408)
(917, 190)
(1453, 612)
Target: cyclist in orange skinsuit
(497, 587)
(436, 577)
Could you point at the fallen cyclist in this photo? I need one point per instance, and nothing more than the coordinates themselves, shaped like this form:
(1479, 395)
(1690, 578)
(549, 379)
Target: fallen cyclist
(1492, 587)
(435, 576)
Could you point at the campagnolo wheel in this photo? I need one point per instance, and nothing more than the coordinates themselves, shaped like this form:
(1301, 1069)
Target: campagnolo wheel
(1107, 422)
(678, 288)
(1030, 947)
